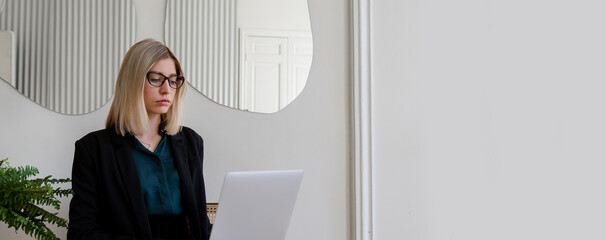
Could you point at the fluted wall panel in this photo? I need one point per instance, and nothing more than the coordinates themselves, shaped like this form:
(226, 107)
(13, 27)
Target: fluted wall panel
(69, 51)
(203, 35)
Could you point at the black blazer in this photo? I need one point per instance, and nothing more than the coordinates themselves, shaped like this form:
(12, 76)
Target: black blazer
(107, 201)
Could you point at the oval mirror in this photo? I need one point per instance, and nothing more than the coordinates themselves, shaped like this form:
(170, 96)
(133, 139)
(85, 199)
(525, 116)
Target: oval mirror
(252, 55)
(65, 54)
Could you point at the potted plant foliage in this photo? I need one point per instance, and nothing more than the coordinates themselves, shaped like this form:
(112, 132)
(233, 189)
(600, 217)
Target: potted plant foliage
(22, 199)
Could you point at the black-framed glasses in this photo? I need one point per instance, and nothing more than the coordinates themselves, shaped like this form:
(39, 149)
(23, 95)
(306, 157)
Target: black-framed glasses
(157, 79)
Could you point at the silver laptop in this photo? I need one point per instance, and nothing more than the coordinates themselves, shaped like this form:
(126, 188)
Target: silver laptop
(256, 205)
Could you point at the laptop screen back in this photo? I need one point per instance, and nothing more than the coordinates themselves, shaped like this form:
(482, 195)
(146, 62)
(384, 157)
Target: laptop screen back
(256, 205)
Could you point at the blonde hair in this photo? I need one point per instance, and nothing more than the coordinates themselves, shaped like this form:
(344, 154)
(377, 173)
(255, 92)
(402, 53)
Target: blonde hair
(127, 113)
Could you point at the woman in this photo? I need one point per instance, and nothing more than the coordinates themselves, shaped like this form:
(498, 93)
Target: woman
(141, 176)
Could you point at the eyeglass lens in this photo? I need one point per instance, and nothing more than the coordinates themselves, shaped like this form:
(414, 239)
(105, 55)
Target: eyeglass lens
(157, 80)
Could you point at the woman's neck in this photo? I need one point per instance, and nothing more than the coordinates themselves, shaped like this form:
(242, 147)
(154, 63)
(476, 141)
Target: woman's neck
(151, 137)
(154, 125)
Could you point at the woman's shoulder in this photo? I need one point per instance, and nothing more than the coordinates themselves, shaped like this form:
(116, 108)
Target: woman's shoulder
(189, 133)
(187, 130)
(96, 136)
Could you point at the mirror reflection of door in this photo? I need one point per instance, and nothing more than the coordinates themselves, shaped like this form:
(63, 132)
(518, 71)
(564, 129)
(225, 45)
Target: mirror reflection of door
(207, 37)
(275, 65)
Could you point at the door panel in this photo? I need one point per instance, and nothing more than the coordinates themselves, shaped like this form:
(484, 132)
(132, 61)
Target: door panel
(275, 68)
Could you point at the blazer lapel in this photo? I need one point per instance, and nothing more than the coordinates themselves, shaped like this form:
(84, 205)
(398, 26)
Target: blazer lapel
(179, 150)
(130, 178)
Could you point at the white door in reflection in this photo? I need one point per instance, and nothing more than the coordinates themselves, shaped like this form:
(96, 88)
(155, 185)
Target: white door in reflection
(275, 68)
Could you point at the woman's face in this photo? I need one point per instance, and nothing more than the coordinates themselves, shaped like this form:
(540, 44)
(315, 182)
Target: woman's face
(159, 99)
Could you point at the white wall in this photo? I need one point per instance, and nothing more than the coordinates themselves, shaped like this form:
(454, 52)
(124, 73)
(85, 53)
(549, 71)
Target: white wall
(489, 119)
(273, 14)
(312, 133)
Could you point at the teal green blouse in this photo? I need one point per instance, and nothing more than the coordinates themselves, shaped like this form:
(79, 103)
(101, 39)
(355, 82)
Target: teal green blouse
(159, 178)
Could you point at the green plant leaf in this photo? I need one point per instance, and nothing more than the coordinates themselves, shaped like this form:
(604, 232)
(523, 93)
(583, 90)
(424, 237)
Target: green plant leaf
(22, 198)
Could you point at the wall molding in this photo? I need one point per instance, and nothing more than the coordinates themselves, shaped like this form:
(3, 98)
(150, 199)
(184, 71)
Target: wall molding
(362, 121)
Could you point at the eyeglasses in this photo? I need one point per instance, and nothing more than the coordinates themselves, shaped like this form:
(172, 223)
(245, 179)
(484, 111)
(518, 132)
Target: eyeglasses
(157, 79)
